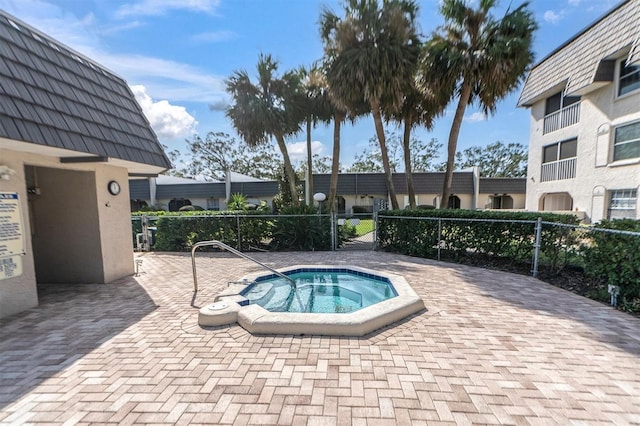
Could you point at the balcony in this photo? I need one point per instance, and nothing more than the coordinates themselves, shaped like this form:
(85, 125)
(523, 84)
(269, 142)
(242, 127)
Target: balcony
(562, 118)
(559, 170)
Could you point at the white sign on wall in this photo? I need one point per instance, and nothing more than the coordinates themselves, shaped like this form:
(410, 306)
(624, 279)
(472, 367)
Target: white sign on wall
(10, 267)
(11, 236)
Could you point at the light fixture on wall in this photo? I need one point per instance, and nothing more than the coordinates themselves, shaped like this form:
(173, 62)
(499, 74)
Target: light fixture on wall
(6, 172)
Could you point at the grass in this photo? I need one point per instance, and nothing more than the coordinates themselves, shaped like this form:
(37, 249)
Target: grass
(364, 227)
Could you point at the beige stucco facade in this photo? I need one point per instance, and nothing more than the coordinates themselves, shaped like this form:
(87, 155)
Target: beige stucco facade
(596, 173)
(584, 144)
(74, 229)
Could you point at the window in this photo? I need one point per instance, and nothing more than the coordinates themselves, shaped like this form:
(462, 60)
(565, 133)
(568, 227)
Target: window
(629, 78)
(559, 161)
(560, 151)
(557, 102)
(627, 142)
(623, 204)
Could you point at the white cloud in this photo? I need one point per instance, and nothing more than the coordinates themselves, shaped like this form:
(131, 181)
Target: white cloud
(552, 17)
(160, 7)
(168, 121)
(214, 36)
(475, 117)
(123, 27)
(298, 150)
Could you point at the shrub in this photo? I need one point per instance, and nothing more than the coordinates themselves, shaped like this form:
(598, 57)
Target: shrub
(308, 232)
(615, 258)
(507, 235)
(237, 201)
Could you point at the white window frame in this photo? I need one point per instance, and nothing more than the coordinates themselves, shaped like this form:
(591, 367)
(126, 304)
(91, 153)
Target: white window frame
(615, 143)
(618, 70)
(623, 199)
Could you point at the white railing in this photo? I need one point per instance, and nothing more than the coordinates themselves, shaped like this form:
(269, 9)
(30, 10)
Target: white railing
(562, 118)
(559, 170)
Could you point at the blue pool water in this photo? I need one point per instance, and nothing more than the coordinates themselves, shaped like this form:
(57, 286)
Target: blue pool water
(319, 291)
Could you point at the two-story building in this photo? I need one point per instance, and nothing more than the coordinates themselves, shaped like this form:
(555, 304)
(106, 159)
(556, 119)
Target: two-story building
(584, 145)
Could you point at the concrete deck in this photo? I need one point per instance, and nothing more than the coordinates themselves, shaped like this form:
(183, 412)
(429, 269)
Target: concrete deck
(491, 348)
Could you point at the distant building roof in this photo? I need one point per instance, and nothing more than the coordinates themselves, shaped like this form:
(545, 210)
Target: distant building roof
(578, 65)
(53, 96)
(503, 185)
(239, 177)
(175, 180)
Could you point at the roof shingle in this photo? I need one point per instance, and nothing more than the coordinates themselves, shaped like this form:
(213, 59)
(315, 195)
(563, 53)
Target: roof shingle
(48, 89)
(575, 63)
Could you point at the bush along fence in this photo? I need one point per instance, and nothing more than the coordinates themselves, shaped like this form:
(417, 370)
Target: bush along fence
(546, 245)
(300, 228)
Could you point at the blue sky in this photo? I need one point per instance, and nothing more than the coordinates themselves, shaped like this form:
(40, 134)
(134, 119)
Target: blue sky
(176, 54)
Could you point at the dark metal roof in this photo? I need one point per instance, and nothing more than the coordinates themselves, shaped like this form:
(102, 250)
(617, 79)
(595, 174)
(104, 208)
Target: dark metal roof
(503, 185)
(348, 184)
(56, 97)
(203, 190)
(139, 189)
(376, 184)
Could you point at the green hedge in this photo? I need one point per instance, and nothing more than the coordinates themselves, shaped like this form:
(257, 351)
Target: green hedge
(509, 236)
(179, 231)
(615, 259)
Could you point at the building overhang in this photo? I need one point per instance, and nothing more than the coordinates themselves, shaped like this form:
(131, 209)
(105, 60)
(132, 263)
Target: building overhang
(69, 157)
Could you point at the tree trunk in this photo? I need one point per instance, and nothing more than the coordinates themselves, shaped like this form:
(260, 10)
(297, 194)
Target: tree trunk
(408, 123)
(377, 119)
(309, 177)
(288, 169)
(335, 163)
(465, 94)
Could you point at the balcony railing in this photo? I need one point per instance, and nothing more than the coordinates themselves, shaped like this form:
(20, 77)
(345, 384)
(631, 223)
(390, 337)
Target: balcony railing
(562, 118)
(559, 170)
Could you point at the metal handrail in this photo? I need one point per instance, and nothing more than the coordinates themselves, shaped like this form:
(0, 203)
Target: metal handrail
(222, 245)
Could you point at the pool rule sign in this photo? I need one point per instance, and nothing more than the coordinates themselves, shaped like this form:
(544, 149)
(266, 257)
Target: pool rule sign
(11, 236)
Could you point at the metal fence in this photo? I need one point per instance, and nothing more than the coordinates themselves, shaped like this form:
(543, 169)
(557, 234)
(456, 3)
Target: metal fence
(551, 245)
(256, 232)
(535, 243)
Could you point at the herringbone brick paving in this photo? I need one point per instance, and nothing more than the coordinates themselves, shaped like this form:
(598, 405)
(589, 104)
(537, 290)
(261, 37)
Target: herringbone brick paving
(491, 348)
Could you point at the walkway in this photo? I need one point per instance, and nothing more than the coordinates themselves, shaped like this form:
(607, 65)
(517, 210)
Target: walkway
(491, 348)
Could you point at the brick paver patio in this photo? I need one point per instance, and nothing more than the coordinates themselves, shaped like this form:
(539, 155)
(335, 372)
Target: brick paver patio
(491, 348)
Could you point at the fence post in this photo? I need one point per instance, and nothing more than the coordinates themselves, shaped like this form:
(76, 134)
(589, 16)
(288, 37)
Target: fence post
(238, 246)
(439, 235)
(146, 244)
(334, 245)
(536, 252)
(375, 230)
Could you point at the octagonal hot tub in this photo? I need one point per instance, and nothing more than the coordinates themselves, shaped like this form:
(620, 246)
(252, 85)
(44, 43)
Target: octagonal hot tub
(325, 300)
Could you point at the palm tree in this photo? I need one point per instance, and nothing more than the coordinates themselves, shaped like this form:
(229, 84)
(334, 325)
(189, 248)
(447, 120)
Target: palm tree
(478, 58)
(327, 109)
(370, 55)
(269, 108)
(317, 108)
(417, 109)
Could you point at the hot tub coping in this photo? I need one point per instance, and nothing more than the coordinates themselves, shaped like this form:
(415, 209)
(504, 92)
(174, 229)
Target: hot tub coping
(258, 320)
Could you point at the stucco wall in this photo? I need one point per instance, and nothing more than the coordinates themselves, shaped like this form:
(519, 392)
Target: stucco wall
(519, 201)
(596, 173)
(88, 207)
(115, 224)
